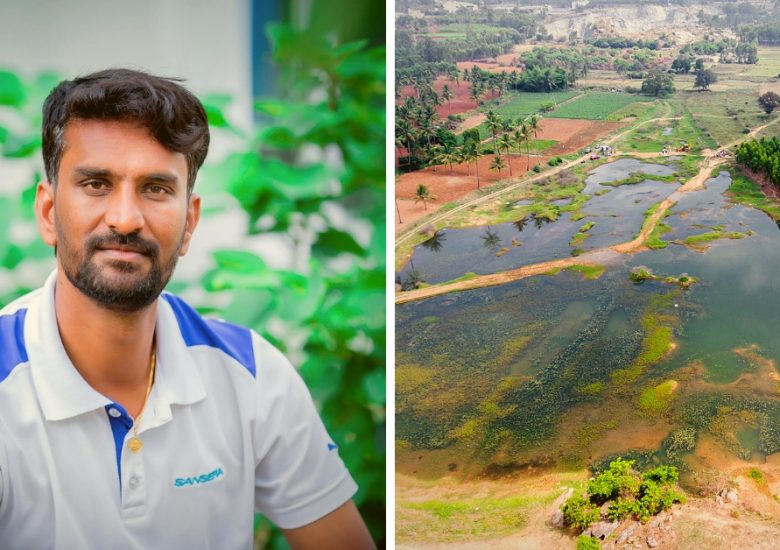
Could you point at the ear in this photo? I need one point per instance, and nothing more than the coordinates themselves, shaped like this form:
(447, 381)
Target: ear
(44, 212)
(193, 217)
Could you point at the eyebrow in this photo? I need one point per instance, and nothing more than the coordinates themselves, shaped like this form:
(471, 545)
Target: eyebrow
(93, 172)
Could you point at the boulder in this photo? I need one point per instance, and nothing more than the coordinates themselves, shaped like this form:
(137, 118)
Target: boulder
(602, 529)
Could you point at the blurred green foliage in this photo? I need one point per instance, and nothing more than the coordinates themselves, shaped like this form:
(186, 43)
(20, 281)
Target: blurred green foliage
(313, 172)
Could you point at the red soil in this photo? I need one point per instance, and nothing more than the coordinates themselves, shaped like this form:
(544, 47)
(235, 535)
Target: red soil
(460, 103)
(448, 185)
(573, 134)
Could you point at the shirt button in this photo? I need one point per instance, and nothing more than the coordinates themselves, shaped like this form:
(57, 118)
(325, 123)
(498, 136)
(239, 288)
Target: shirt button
(133, 482)
(115, 413)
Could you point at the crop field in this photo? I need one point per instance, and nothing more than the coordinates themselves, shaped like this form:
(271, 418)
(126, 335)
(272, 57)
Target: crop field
(595, 106)
(526, 103)
(654, 136)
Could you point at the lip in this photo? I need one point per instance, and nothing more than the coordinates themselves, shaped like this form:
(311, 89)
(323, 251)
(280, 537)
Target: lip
(123, 253)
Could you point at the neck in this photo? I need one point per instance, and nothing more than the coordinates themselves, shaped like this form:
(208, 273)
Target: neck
(110, 349)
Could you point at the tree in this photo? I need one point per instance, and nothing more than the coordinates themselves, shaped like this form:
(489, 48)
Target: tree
(699, 65)
(497, 164)
(657, 84)
(423, 194)
(681, 65)
(472, 153)
(769, 102)
(506, 142)
(495, 126)
(447, 94)
(704, 78)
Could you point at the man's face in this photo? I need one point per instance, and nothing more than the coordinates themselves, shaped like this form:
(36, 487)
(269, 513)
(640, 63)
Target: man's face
(119, 215)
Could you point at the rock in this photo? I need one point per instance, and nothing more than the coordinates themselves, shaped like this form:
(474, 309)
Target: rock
(556, 520)
(427, 229)
(627, 532)
(398, 287)
(652, 542)
(603, 529)
(732, 496)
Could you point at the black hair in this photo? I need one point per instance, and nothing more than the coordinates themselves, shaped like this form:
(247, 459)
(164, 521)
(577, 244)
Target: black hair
(171, 113)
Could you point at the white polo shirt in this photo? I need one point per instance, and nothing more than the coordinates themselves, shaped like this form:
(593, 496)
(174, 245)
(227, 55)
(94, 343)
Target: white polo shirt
(229, 428)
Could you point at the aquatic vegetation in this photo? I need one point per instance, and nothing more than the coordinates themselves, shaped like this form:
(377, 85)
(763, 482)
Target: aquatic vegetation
(680, 441)
(639, 177)
(658, 398)
(588, 271)
(715, 234)
(654, 240)
(756, 475)
(641, 273)
(657, 341)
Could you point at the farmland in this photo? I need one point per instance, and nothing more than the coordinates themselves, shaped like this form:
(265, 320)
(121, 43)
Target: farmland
(594, 106)
(527, 103)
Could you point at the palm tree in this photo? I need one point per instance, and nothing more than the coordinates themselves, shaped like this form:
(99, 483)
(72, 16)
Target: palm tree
(472, 154)
(406, 133)
(423, 194)
(506, 142)
(497, 164)
(475, 93)
(495, 126)
(447, 94)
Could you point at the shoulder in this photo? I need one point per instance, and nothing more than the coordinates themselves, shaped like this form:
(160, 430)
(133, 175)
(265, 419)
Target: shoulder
(13, 349)
(255, 354)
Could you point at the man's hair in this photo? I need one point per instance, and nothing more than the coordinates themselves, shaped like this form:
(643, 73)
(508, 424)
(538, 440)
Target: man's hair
(171, 113)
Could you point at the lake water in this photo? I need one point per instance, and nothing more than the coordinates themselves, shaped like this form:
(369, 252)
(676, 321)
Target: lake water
(535, 370)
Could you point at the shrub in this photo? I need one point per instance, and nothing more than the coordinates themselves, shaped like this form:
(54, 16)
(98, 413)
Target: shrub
(537, 168)
(579, 513)
(586, 542)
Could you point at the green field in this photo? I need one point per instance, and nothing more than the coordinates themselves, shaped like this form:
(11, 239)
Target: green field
(461, 30)
(725, 116)
(526, 103)
(595, 106)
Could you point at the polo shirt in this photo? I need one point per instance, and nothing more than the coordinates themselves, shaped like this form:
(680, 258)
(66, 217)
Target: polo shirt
(229, 428)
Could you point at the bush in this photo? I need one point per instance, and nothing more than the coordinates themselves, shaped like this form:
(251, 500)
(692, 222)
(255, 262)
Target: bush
(579, 513)
(537, 168)
(585, 542)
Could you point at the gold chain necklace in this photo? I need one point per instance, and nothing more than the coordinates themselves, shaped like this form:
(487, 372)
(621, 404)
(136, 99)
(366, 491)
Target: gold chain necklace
(135, 444)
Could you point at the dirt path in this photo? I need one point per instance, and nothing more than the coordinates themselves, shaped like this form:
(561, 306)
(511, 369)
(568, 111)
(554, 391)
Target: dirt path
(471, 122)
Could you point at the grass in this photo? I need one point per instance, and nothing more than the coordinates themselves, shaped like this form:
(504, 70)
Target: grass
(745, 191)
(712, 236)
(639, 177)
(594, 106)
(723, 116)
(654, 240)
(657, 398)
(461, 30)
(588, 271)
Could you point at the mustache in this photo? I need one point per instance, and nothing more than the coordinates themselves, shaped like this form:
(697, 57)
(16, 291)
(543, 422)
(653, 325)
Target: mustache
(117, 239)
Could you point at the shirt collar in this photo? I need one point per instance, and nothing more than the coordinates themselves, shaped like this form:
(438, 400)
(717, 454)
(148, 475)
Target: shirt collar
(61, 390)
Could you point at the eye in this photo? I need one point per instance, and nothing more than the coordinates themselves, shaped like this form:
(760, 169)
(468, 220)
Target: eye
(95, 185)
(155, 189)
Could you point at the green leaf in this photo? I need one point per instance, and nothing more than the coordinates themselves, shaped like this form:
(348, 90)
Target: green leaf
(374, 385)
(11, 90)
(218, 279)
(21, 146)
(13, 257)
(239, 261)
(333, 242)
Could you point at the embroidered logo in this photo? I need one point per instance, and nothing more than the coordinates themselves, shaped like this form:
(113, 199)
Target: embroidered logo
(197, 480)
(332, 446)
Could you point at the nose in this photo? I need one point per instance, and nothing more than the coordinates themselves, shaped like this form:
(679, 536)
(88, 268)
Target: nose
(123, 210)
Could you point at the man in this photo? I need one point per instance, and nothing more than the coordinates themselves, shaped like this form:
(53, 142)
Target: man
(126, 419)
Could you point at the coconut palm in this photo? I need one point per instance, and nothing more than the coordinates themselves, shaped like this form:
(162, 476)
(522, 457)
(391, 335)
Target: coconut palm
(473, 154)
(497, 164)
(490, 239)
(447, 95)
(506, 142)
(495, 126)
(423, 194)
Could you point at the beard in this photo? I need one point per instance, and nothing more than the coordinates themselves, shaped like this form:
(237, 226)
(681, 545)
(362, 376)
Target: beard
(132, 290)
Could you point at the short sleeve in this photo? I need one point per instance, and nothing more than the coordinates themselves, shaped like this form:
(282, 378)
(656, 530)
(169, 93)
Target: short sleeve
(299, 476)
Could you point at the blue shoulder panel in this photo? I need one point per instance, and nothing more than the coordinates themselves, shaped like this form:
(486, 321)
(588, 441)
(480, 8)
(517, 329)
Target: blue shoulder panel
(234, 340)
(12, 348)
